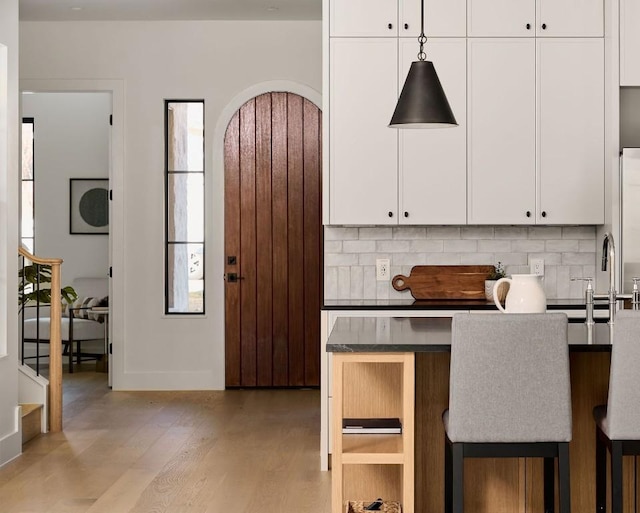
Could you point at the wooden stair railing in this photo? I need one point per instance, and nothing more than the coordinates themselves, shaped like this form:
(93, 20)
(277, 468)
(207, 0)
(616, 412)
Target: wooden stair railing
(55, 340)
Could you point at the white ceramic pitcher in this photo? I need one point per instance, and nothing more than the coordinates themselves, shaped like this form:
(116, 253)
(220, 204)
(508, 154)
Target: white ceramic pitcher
(525, 295)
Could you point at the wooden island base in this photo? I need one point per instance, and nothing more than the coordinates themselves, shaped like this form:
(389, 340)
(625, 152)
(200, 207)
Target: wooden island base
(510, 485)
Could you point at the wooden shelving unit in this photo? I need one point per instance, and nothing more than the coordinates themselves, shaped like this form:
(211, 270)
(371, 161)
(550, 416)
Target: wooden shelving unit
(367, 466)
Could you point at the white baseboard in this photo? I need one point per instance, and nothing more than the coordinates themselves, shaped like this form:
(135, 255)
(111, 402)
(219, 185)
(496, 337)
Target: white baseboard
(203, 380)
(11, 444)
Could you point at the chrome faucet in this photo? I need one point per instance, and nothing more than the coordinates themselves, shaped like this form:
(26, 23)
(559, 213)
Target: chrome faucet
(609, 254)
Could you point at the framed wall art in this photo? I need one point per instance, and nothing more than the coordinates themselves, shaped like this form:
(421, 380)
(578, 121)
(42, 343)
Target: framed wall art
(89, 206)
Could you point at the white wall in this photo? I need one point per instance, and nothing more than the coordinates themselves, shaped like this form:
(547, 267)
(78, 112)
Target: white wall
(72, 141)
(216, 61)
(10, 443)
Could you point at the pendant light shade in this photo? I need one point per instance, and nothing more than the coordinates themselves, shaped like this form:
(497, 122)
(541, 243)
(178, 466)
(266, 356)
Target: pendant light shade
(422, 103)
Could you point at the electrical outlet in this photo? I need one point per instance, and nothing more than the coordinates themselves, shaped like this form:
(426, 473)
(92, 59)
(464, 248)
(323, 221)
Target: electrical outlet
(537, 266)
(382, 269)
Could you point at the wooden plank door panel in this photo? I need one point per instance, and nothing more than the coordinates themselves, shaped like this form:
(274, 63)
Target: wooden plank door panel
(232, 241)
(264, 244)
(273, 224)
(313, 239)
(247, 285)
(280, 241)
(295, 196)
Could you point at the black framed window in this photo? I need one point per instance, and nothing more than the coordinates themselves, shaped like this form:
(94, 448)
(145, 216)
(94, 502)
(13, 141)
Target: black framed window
(184, 207)
(28, 216)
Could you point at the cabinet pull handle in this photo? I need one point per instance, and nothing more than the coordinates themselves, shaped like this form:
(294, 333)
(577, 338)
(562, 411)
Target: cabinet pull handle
(390, 214)
(406, 214)
(390, 26)
(544, 26)
(406, 26)
(544, 214)
(528, 26)
(528, 213)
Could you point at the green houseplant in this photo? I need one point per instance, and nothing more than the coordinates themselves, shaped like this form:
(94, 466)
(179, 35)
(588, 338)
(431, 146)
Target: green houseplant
(29, 278)
(497, 273)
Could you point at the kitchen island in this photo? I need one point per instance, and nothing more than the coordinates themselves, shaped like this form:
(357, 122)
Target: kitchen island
(334, 309)
(492, 486)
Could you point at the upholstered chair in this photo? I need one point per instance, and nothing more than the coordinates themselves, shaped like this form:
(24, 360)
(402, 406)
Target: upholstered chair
(509, 396)
(618, 422)
(78, 325)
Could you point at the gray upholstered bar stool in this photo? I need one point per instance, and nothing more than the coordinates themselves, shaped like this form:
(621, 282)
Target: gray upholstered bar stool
(509, 396)
(618, 423)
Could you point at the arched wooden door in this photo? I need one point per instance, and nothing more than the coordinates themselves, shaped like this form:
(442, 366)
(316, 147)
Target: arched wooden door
(273, 243)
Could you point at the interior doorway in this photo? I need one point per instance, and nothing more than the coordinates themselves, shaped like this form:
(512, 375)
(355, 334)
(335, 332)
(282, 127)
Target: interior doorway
(273, 242)
(65, 193)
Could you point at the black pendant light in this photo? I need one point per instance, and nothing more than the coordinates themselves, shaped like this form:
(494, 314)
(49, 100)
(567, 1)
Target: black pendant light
(422, 103)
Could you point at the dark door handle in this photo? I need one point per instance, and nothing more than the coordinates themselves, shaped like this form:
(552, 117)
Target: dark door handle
(233, 277)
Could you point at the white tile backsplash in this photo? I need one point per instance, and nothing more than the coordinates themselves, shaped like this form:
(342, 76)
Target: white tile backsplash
(351, 254)
(494, 246)
(562, 246)
(359, 246)
(460, 246)
(578, 232)
(544, 232)
(427, 246)
(510, 232)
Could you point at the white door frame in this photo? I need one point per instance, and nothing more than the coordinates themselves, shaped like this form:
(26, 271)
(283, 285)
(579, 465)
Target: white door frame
(116, 208)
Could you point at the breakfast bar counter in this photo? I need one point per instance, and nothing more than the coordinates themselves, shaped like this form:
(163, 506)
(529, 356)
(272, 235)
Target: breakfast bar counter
(417, 352)
(433, 334)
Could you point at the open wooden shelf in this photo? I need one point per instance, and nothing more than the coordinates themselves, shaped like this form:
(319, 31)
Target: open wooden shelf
(375, 444)
(373, 385)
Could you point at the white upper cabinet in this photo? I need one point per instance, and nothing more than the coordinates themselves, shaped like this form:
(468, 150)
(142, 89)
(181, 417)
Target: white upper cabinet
(442, 18)
(501, 18)
(541, 18)
(629, 43)
(570, 18)
(433, 168)
(502, 131)
(571, 131)
(363, 18)
(536, 131)
(363, 150)
(392, 18)
(525, 80)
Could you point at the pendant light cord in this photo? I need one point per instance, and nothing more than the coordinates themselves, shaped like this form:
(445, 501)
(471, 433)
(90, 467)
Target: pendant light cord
(422, 39)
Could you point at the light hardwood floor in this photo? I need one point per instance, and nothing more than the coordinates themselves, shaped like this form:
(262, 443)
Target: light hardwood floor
(193, 452)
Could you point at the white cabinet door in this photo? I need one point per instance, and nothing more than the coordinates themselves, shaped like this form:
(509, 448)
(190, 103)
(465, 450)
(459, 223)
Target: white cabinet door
(629, 43)
(442, 18)
(433, 163)
(363, 18)
(501, 131)
(495, 18)
(570, 18)
(363, 149)
(550, 18)
(571, 131)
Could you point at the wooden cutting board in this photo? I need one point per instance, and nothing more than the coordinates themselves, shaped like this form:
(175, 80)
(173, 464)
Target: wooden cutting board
(444, 281)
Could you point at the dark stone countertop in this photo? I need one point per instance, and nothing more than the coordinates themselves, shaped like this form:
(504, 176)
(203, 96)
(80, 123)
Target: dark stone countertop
(420, 334)
(439, 304)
